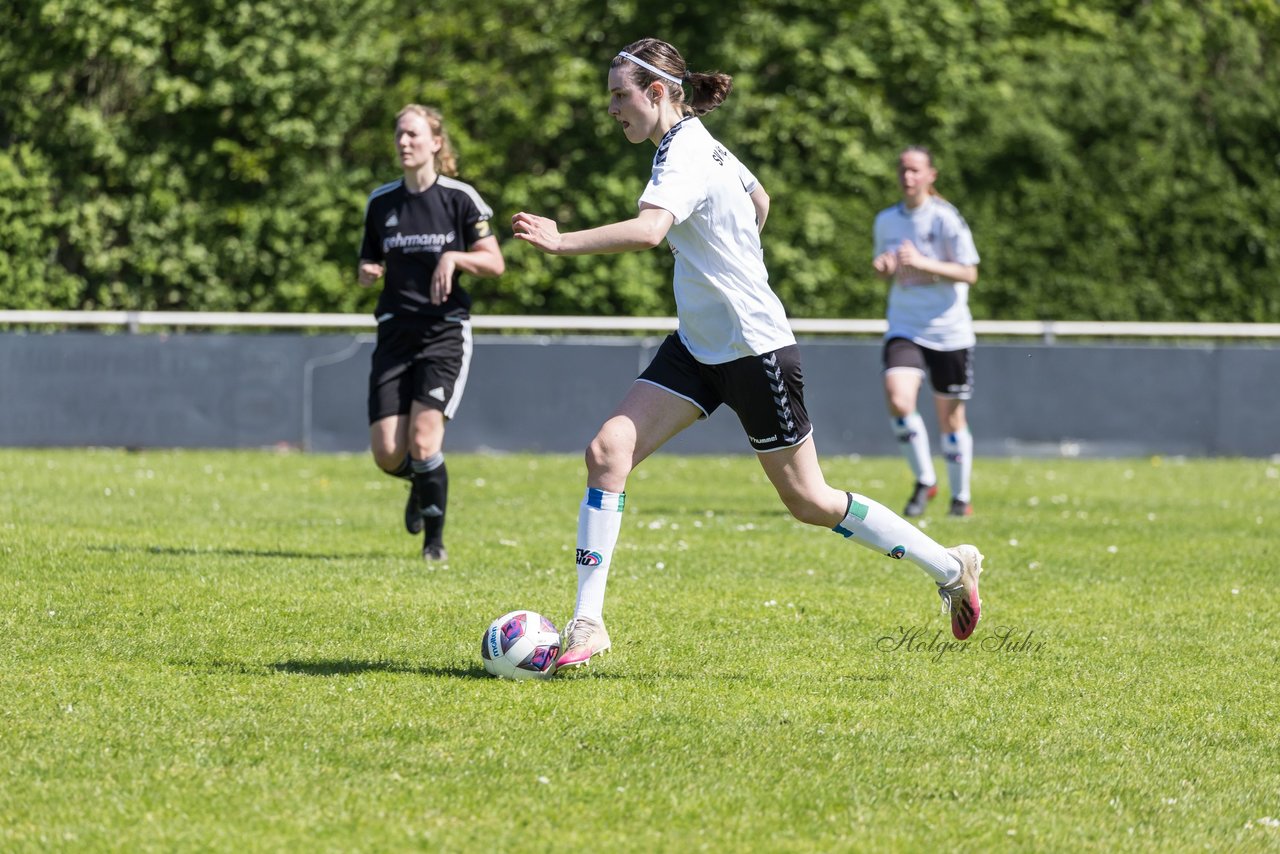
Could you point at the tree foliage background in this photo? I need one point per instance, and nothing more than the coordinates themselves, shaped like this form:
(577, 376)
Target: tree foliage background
(1116, 160)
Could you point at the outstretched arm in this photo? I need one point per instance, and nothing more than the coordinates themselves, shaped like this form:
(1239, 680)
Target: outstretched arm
(645, 231)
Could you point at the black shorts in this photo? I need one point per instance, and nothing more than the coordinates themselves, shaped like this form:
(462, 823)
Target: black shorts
(766, 392)
(419, 359)
(950, 371)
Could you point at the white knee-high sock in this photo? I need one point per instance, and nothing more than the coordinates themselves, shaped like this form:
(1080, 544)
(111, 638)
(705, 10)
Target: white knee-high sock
(879, 528)
(599, 521)
(913, 435)
(958, 449)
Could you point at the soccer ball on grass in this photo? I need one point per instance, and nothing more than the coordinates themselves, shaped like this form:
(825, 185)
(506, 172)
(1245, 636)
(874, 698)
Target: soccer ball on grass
(520, 645)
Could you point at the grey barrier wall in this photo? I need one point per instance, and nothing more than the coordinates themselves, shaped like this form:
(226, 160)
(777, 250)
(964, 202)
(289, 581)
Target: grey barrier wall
(549, 394)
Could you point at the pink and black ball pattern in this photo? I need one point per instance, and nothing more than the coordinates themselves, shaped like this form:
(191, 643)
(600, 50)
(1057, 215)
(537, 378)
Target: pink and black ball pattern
(512, 631)
(520, 645)
(509, 633)
(541, 659)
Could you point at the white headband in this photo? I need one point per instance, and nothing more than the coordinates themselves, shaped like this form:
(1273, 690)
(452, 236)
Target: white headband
(647, 67)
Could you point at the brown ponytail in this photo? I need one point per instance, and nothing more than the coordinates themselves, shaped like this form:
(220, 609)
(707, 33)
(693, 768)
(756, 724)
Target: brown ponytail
(709, 91)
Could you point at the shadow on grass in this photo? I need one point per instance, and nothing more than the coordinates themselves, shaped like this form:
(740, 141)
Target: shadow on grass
(326, 668)
(602, 674)
(348, 667)
(191, 551)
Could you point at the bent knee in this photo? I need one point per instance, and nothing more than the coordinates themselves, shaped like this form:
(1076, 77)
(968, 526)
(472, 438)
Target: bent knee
(609, 454)
(387, 452)
(810, 514)
(605, 453)
(902, 405)
(805, 509)
(388, 463)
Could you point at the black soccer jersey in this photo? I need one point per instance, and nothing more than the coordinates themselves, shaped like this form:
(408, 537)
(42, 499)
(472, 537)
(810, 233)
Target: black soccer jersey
(407, 231)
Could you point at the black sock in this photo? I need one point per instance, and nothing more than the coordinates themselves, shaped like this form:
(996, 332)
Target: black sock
(432, 487)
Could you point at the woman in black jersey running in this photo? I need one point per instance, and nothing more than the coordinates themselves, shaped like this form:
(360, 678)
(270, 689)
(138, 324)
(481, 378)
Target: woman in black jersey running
(421, 233)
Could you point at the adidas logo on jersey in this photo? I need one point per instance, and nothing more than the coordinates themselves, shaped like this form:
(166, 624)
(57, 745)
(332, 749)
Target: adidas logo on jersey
(393, 220)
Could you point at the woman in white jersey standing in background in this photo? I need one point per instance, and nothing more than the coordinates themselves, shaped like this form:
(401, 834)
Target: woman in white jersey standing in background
(421, 233)
(924, 246)
(734, 344)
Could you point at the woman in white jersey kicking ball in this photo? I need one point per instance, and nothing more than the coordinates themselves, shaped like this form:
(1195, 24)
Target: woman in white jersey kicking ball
(733, 346)
(925, 247)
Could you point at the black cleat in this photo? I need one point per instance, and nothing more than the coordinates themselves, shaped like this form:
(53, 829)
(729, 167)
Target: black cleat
(919, 499)
(413, 513)
(435, 553)
(961, 508)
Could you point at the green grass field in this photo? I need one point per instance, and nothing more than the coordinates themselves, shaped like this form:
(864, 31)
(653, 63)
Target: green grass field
(242, 651)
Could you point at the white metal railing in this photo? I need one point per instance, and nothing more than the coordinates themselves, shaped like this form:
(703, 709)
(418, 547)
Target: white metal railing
(1046, 329)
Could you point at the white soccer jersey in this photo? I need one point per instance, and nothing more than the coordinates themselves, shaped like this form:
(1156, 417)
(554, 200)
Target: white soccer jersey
(726, 308)
(931, 311)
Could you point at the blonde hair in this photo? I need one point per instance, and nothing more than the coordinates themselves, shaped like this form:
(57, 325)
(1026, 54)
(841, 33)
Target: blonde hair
(446, 160)
(708, 90)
